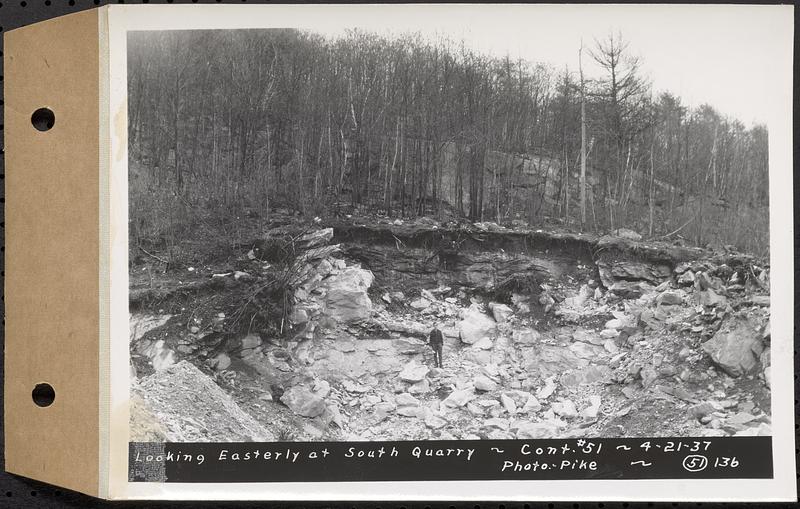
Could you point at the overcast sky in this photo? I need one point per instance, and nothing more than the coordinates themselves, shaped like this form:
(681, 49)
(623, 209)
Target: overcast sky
(723, 55)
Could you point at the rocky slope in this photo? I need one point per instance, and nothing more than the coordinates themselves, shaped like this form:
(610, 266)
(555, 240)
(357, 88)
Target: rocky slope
(546, 335)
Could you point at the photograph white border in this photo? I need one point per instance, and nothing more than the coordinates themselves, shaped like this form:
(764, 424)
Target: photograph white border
(114, 461)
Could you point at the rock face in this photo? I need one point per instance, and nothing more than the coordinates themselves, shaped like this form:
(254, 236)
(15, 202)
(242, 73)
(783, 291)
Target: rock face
(203, 414)
(303, 402)
(611, 272)
(475, 325)
(346, 299)
(735, 348)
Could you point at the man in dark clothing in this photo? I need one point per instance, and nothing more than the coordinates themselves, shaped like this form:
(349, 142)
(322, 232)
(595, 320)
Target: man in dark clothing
(436, 341)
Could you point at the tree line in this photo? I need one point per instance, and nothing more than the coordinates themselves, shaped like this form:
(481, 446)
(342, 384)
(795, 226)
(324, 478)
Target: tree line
(227, 122)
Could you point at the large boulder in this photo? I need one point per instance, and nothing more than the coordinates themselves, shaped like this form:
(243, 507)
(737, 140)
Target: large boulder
(629, 289)
(735, 347)
(475, 325)
(484, 383)
(303, 402)
(190, 407)
(501, 312)
(346, 298)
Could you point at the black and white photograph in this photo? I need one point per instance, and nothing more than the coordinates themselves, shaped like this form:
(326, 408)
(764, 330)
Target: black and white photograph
(547, 227)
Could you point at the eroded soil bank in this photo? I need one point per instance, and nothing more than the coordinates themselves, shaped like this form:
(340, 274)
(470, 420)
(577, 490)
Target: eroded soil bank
(318, 332)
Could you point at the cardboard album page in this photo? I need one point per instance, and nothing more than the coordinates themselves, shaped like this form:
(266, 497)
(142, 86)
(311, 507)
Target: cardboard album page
(402, 252)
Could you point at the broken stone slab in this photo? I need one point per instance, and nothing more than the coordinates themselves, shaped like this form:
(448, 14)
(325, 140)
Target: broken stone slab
(413, 372)
(759, 300)
(649, 375)
(497, 422)
(710, 298)
(409, 346)
(611, 347)
(353, 387)
(608, 334)
(548, 389)
(591, 374)
(762, 429)
(741, 418)
(459, 398)
(701, 410)
(406, 399)
(531, 404)
(421, 387)
(484, 344)
(587, 336)
(669, 298)
(508, 404)
(565, 408)
(420, 304)
(299, 316)
(533, 430)
(686, 279)
(586, 350)
(434, 421)
(525, 336)
(221, 362)
(322, 388)
(410, 411)
(484, 383)
(592, 410)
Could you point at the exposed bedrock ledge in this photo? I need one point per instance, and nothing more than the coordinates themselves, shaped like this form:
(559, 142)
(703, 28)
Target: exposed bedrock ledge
(490, 259)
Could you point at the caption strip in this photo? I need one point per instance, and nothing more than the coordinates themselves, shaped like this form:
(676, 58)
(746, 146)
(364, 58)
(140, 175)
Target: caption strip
(624, 458)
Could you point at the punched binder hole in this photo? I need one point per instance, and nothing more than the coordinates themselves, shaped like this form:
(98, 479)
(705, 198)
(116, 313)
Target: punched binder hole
(43, 119)
(43, 395)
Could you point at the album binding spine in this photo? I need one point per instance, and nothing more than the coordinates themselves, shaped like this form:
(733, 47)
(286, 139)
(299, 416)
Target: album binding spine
(53, 252)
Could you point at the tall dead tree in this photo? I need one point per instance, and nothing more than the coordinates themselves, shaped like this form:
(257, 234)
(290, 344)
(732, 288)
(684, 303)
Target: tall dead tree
(583, 138)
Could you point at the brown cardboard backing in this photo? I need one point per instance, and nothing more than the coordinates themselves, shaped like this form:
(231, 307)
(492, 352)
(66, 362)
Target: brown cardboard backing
(52, 251)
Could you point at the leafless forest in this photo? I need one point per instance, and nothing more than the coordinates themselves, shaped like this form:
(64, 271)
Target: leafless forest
(226, 123)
